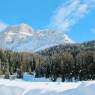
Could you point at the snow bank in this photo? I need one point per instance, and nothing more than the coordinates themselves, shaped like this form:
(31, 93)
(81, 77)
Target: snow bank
(20, 87)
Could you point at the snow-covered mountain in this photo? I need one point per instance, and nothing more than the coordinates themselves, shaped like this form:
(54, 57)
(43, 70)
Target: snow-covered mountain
(23, 38)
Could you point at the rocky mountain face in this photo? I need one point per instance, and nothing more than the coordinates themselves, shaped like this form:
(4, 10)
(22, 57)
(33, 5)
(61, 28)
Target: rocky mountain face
(23, 38)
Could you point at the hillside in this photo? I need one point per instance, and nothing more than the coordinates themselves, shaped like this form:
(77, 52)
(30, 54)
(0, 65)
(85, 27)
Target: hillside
(89, 45)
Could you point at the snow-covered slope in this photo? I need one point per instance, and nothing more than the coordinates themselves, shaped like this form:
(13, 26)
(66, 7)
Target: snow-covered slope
(18, 87)
(23, 38)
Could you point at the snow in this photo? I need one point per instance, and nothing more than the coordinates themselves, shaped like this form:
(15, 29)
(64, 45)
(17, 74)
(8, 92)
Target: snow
(20, 87)
(28, 77)
(21, 37)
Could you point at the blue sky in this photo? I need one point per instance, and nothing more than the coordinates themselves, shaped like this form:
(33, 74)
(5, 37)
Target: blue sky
(73, 17)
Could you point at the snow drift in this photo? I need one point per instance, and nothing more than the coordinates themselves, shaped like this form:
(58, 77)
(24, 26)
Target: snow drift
(19, 87)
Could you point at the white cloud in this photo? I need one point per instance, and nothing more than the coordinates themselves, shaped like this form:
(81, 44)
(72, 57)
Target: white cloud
(2, 26)
(70, 13)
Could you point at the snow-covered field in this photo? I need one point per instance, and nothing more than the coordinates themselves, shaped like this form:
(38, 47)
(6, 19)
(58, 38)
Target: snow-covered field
(20, 87)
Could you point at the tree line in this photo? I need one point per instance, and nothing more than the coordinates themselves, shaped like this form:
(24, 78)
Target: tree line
(69, 62)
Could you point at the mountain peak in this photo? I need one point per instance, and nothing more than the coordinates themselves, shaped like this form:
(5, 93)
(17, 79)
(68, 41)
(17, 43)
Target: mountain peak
(23, 38)
(24, 27)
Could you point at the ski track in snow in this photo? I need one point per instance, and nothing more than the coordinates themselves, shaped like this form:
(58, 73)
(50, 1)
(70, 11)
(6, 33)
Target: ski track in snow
(20, 87)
